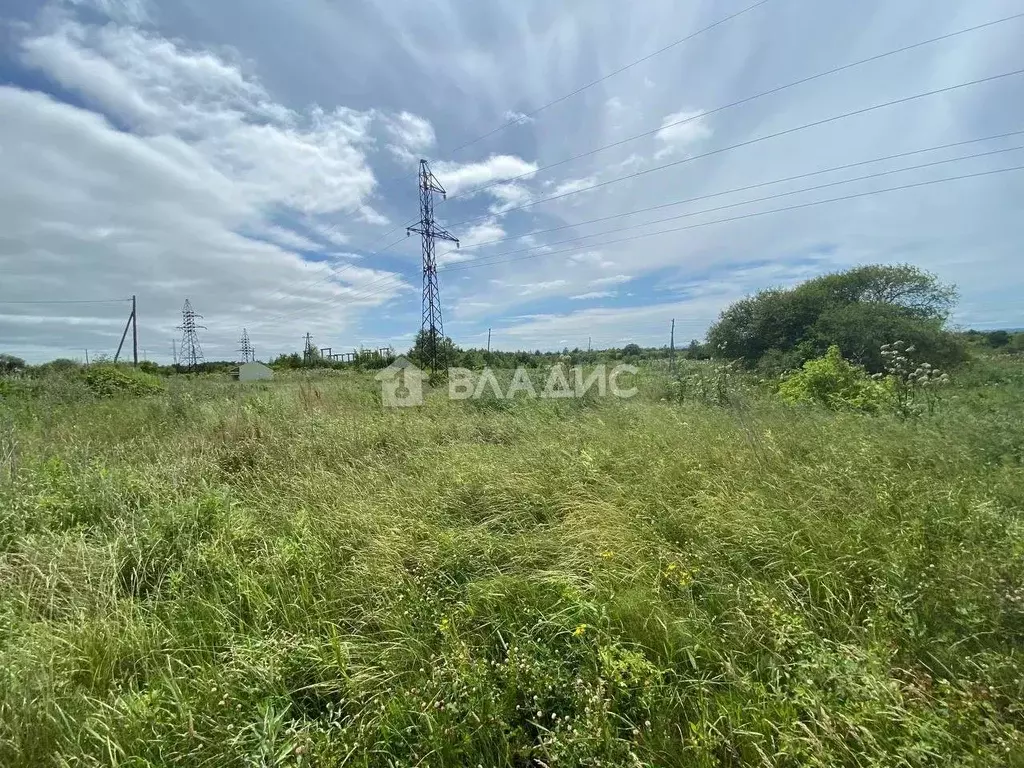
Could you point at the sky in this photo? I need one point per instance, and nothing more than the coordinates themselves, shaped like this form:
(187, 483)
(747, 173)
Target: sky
(259, 158)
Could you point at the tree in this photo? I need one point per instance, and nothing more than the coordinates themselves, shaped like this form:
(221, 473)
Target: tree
(997, 339)
(696, 350)
(631, 350)
(11, 364)
(859, 310)
(420, 352)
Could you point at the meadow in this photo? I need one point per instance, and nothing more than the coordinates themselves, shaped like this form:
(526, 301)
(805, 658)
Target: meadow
(287, 573)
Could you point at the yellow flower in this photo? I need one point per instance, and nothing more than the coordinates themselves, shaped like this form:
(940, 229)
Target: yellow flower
(579, 630)
(607, 554)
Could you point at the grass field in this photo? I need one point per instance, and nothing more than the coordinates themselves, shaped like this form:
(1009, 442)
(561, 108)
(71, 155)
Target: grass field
(289, 574)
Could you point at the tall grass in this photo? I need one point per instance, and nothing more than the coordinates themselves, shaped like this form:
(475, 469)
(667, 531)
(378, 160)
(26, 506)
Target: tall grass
(289, 574)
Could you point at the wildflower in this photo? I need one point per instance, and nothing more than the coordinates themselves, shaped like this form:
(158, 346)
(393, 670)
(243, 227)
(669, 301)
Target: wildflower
(607, 554)
(579, 630)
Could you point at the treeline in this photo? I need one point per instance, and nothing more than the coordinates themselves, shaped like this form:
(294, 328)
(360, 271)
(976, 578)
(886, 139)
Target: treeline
(775, 330)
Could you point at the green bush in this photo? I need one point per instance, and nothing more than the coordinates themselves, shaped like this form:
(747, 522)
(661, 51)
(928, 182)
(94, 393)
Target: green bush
(113, 380)
(835, 383)
(859, 310)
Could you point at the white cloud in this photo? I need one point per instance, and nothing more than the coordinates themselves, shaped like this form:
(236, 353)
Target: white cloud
(612, 280)
(411, 135)
(314, 162)
(593, 295)
(511, 116)
(573, 185)
(88, 208)
(287, 238)
(484, 232)
(591, 258)
(544, 286)
(509, 196)
(328, 232)
(462, 177)
(680, 130)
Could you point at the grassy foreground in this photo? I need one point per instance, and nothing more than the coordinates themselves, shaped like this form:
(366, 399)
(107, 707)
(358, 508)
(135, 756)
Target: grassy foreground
(289, 574)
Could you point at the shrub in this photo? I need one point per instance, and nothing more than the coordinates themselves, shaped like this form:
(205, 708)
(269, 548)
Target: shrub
(113, 380)
(835, 383)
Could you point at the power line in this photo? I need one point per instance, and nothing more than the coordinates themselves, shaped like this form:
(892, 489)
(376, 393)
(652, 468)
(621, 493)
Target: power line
(757, 140)
(745, 100)
(585, 87)
(70, 301)
(732, 191)
(755, 186)
(717, 109)
(475, 265)
(746, 202)
(599, 80)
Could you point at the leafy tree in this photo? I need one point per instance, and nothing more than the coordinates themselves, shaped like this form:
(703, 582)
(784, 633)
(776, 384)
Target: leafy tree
(421, 349)
(859, 310)
(11, 364)
(631, 350)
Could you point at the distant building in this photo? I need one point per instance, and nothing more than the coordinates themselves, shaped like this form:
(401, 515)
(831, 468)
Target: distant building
(253, 372)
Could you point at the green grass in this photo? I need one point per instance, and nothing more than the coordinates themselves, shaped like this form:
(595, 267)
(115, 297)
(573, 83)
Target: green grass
(289, 574)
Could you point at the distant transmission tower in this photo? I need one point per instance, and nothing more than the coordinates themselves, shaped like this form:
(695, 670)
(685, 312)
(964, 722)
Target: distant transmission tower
(429, 231)
(245, 347)
(309, 354)
(191, 353)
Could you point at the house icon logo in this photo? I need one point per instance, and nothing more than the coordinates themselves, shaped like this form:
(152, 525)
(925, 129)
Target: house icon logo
(401, 384)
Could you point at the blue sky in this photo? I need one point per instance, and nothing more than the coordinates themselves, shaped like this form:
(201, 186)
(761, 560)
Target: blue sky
(256, 157)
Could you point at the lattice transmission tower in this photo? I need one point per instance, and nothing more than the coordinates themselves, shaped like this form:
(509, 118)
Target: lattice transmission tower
(191, 352)
(246, 348)
(310, 353)
(432, 324)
